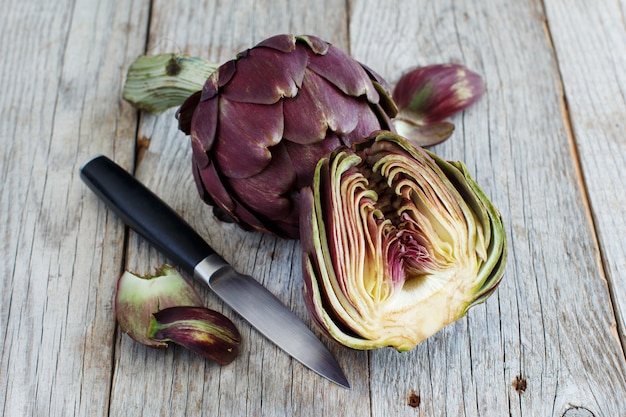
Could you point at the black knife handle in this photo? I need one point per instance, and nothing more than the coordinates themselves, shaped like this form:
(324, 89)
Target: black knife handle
(145, 213)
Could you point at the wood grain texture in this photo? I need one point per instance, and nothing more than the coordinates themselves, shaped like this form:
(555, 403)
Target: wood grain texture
(61, 82)
(545, 144)
(591, 49)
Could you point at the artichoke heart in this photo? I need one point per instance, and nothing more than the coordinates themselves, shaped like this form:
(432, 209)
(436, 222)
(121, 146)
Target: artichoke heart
(397, 243)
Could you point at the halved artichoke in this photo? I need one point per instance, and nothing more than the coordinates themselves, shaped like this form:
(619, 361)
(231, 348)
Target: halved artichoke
(397, 243)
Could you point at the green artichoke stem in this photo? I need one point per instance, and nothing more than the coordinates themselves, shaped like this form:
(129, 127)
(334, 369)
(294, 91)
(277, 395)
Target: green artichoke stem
(158, 82)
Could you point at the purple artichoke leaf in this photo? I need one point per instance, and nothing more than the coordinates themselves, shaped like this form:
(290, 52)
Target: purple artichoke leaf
(226, 208)
(264, 199)
(382, 86)
(371, 119)
(387, 105)
(210, 87)
(327, 109)
(201, 330)
(423, 135)
(266, 75)
(345, 73)
(317, 45)
(307, 157)
(241, 150)
(204, 125)
(185, 112)
(212, 189)
(223, 76)
(284, 43)
(428, 95)
(431, 94)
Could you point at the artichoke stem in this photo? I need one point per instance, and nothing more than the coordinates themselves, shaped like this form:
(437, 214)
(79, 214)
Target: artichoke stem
(158, 82)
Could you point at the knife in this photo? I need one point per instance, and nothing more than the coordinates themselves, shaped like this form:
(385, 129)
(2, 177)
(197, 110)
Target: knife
(153, 219)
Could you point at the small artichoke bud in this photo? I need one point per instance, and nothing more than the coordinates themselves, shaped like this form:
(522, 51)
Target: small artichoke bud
(428, 95)
(203, 331)
(138, 297)
(165, 307)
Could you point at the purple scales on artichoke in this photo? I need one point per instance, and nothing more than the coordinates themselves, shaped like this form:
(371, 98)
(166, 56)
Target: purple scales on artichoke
(263, 120)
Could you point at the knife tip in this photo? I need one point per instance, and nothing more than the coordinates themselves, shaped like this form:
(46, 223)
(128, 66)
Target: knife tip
(343, 383)
(338, 377)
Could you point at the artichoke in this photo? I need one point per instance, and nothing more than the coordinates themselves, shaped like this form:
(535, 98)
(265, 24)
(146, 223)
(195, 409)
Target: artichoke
(397, 243)
(263, 120)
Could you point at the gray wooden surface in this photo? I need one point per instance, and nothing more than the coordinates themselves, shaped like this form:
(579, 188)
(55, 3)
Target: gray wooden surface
(546, 143)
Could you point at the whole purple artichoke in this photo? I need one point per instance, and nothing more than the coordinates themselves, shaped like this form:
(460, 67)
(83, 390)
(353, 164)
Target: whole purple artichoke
(263, 120)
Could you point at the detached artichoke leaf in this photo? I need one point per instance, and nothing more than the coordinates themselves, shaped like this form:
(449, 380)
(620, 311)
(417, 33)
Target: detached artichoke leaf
(201, 330)
(429, 95)
(423, 135)
(397, 243)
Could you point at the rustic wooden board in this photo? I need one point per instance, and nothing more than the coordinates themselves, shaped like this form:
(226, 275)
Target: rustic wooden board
(63, 67)
(544, 143)
(591, 48)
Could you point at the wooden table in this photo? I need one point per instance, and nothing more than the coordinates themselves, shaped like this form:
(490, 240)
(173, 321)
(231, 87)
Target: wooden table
(546, 143)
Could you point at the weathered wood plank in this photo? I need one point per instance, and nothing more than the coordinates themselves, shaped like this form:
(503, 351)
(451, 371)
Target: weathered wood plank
(263, 380)
(62, 70)
(590, 44)
(552, 313)
(551, 322)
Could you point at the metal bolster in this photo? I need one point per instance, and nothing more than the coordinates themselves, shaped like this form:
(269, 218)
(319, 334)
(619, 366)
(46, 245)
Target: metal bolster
(208, 266)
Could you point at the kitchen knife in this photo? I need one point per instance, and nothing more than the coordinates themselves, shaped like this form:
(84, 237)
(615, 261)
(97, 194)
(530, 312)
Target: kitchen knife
(148, 215)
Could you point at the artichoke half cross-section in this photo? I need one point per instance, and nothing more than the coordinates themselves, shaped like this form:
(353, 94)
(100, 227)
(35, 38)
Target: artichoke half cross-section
(397, 243)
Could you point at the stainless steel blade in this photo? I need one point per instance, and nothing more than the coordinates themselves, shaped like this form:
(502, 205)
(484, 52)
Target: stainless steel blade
(269, 316)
